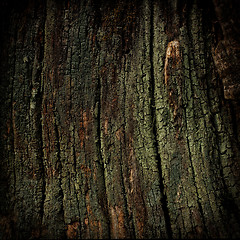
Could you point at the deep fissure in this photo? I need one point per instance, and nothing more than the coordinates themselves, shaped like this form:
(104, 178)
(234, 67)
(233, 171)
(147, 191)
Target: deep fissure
(99, 143)
(191, 66)
(42, 51)
(153, 113)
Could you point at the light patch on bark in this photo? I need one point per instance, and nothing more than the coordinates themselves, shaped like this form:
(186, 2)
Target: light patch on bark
(106, 126)
(72, 230)
(120, 134)
(118, 228)
(173, 52)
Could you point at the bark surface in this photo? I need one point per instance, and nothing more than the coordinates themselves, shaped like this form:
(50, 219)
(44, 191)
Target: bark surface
(119, 119)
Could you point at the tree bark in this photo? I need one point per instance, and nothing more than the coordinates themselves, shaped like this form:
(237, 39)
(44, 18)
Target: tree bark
(119, 119)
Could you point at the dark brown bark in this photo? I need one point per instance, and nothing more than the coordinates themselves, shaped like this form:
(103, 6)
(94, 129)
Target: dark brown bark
(119, 119)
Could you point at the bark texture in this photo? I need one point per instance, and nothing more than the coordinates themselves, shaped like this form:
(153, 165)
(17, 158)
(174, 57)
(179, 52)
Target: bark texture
(119, 119)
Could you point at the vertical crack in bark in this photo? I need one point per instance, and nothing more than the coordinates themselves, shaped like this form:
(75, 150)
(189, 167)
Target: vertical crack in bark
(42, 51)
(42, 161)
(195, 185)
(191, 66)
(125, 143)
(74, 152)
(153, 112)
(74, 142)
(75, 190)
(59, 169)
(71, 121)
(123, 151)
(99, 147)
(12, 114)
(124, 189)
(59, 165)
(41, 155)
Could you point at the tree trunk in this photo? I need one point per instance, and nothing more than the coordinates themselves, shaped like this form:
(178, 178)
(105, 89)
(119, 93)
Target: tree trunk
(120, 119)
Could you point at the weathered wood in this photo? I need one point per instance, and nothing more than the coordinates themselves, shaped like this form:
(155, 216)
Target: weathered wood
(119, 119)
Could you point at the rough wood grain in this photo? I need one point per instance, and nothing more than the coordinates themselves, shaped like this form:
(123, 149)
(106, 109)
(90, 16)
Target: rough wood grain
(119, 119)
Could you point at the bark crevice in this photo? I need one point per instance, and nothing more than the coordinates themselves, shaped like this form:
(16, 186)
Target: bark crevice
(155, 133)
(12, 113)
(195, 186)
(126, 146)
(99, 145)
(41, 103)
(42, 50)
